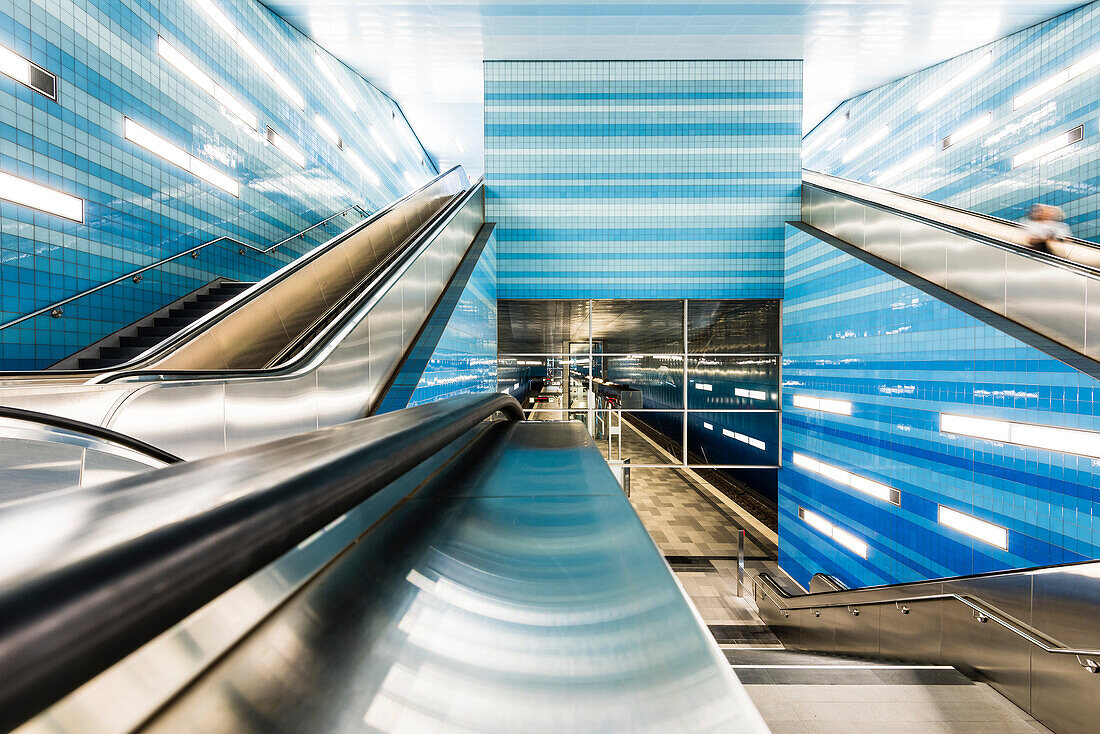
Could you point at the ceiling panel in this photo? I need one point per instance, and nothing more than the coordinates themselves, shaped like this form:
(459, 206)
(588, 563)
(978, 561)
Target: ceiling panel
(427, 54)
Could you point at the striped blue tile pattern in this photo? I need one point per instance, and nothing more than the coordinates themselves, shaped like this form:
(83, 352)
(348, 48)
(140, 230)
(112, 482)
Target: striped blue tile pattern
(625, 179)
(140, 208)
(854, 333)
(977, 173)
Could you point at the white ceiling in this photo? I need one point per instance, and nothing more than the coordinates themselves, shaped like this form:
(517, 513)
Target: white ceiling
(427, 54)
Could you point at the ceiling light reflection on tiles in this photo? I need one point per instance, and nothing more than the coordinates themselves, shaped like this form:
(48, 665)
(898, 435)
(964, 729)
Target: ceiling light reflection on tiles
(36, 196)
(382, 144)
(364, 168)
(828, 529)
(142, 136)
(328, 131)
(909, 163)
(1049, 147)
(182, 64)
(329, 74)
(976, 125)
(249, 50)
(969, 71)
(286, 147)
(858, 149)
(1086, 64)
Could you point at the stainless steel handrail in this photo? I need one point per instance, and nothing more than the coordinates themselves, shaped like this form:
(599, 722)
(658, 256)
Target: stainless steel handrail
(128, 276)
(984, 612)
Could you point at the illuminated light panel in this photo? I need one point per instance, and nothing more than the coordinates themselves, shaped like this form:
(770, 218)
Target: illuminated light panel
(840, 407)
(253, 53)
(827, 134)
(859, 148)
(708, 426)
(941, 91)
(976, 125)
(36, 196)
(706, 386)
(754, 394)
(911, 162)
(382, 145)
(1065, 75)
(185, 66)
(1052, 145)
(334, 80)
(847, 478)
(172, 153)
(1048, 438)
(287, 148)
(328, 131)
(986, 532)
(840, 536)
(364, 168)
(27, 73)
(754, 442)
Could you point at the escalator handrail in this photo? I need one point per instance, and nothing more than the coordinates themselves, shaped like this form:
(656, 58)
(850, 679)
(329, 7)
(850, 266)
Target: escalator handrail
(145, 551)
(1015, 247)
(774, 593)
(327, 337)
(251, 294)
(89, 429)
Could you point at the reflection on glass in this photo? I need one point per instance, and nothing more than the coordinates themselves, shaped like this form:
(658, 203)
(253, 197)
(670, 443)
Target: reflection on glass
(733, 438)
(733, 383)
(733, 327)
(626, 326)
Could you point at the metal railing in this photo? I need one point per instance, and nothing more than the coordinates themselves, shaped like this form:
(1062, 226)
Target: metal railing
(56, 309)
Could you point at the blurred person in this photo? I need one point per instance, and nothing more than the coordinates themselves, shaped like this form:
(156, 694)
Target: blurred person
(1043, 226)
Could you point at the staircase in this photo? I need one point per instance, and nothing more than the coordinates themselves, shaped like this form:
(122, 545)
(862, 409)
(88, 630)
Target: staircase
(138, 337)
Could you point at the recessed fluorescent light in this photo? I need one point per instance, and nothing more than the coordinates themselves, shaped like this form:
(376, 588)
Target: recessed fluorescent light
(704, 386)
(334, 80)
(328, 131)
(382, 144)
(364, 168)
(36, 196)
(754, 394)
(984, 531)
(286, 147)
(27, 73)
(459, 146)
(911, 162)
(1049, 146)
(827, 133)
(181, 63)
(828, 529)
(964, 132)
(840, 407)
(940, 91)
(249, 50)
(1048, 438)
(842, 476)
(172, 153)
(874, 137)
(1086, 64)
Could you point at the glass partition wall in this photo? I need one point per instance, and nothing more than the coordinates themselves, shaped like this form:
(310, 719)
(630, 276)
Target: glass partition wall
(698, 379)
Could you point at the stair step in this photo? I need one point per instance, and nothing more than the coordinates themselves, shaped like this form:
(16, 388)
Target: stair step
(143, 341)
(158, 333)
(192, 310)
(120, 353)
(172, 321)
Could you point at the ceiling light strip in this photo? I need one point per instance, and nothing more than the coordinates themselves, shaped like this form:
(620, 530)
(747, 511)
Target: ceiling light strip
(1049, 146)
(172, 153)
(382, 144)
(840, 407)
(984, 531)
(334, 80)
(1051, 83)
(909, 163)
(859, 148)
(286, 147)
(366, 170)
(847, 478)
(969, 71)
(328, 131)
(253, 53)
(1032, 435)
(830, 530)
(976, 125)
(20, 191)
(185, 66)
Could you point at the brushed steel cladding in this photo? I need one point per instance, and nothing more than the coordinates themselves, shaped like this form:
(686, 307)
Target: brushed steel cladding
(1047, 298)
(184, 418)
(912, 635)
(976, 271)
(258, 409)
(882, 234)
(924, 253)
(29, 466)
(823, 209)
(857, 629)
(849, 224)
(1092, 318)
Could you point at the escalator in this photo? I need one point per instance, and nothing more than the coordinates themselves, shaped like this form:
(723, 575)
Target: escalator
(446, 567)
(315, 344)
(976, 262)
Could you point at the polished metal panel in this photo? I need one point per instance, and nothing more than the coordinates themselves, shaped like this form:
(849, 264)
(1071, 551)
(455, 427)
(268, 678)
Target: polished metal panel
(976, 271)
(526, 597)
(882, 234)
(1047, 298)
(849, 225)
(924, 251)
(1092, 319)
(1032, 633)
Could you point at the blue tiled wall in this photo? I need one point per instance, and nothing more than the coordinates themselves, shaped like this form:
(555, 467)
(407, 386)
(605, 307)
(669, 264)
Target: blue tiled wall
(667, 179)
(977, 173)
(465, 360)
(140, 208)
(854, 333)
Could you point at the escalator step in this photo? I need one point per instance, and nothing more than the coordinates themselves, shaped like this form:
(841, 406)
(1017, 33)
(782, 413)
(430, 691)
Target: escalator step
(156, 332)
(120, 352)
(138, 341)
(171, 321)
